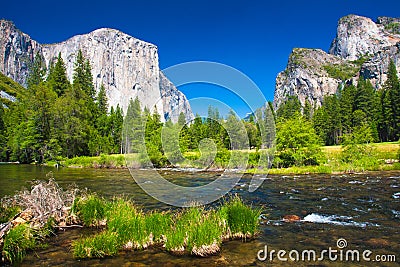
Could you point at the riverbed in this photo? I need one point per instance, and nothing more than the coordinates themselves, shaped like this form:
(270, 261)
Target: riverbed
(361, 209)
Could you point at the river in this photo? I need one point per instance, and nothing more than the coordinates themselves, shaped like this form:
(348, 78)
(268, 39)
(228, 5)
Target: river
(361, 209)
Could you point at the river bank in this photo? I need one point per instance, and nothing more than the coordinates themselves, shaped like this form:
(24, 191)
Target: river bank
(385, 157)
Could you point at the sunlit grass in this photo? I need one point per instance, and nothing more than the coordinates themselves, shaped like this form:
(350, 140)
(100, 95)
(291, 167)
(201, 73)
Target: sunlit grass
(90, 209)
(17, 242)
(97, 246)
(194, 230)
(241, 220)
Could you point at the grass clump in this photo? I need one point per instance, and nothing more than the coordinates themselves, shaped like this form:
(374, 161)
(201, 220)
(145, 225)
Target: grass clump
(8, 212)
(97, 246)
(18, 241)
(241, 220)
(193, 230)
(90, 209)
(157, 224)
(129, 224)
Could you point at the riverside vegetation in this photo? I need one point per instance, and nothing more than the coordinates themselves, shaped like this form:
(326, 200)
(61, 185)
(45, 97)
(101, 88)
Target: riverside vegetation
(54, 121)
(31, 217)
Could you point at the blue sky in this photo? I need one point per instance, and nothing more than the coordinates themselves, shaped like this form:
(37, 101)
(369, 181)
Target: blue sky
(255, 37)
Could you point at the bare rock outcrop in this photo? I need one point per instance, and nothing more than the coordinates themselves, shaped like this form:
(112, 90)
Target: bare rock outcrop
(128, 67)
(361, 48)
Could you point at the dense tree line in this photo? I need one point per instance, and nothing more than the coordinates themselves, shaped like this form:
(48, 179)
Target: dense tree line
(354, 116)
(55, 118)
(361, 107)
(165, 143)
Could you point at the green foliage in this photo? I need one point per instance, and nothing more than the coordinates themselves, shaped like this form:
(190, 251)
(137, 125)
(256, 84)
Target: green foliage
(52, 119)
(241, 220)
(17, 242)
(129, 223)
(342, 72)
(390, 100)
(355, 150)
(237, 133)
(90, 209)
(57, 79)
(192, 230)
(10, 87)
(37, 71)
(393, 27)
(289, 109)
(97, 246)
(297, 143)
(7, 213)
(157, 224)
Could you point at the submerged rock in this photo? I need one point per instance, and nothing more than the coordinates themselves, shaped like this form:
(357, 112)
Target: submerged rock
(291, 218)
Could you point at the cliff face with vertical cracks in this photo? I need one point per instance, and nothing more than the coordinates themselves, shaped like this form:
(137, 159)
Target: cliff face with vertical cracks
(128, 67)
(361, 48)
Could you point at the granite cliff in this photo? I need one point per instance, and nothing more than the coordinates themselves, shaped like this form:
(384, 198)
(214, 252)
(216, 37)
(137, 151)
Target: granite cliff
(128, 67)
(361, 47)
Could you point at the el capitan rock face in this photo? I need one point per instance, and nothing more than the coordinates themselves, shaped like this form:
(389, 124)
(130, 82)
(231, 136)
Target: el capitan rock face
(128, 67)
(357, 38)
(16, 52)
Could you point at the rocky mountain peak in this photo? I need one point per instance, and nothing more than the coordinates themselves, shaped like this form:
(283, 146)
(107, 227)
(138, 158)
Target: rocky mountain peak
(391, 25)
(359, 36)
(128, 67)
(307, 75)
(361, 47)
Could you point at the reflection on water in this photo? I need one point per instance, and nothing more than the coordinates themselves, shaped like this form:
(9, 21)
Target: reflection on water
(364, 209)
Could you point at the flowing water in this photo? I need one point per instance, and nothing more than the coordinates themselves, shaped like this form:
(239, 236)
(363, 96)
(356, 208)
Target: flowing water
(363, 209)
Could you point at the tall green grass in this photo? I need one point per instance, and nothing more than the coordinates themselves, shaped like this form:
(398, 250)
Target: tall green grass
(97, 246)
(194, 230)
(17, 242)
(241, 221)
(90, 209)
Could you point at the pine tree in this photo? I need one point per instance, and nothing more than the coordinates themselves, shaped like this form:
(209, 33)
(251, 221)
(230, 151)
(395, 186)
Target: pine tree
(115, 122)
(134, 131)
(42, 115)
(184, 138)
(289, 109)
(392, 86)
(3, 139)
(347, 107)
(57, 78)
(37, 71)
(197, 132)
(102, 104)
(237, 133)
